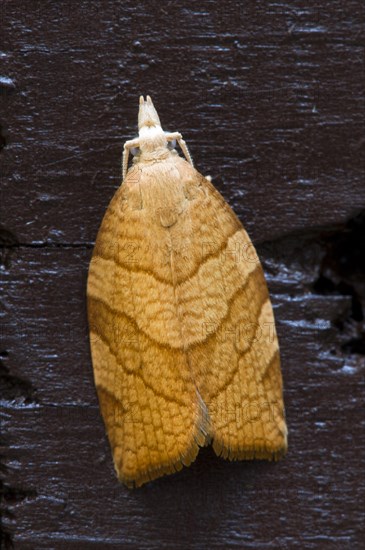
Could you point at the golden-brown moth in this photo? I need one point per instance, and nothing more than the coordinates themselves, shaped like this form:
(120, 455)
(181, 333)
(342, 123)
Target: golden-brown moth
(182, 332)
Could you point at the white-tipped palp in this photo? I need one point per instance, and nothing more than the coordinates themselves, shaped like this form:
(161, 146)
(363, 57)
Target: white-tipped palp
(147, 115)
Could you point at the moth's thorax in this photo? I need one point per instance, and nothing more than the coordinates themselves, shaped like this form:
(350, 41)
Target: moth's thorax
(152, 142)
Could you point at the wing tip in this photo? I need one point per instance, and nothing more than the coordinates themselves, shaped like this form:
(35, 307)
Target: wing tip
(169, 467)
(265, 452)
(200, 438)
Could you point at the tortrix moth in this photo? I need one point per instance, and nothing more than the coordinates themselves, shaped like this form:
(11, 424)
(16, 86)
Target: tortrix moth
(182, 331)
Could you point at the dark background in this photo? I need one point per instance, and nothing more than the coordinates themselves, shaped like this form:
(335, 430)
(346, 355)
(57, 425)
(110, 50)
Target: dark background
(269, 97)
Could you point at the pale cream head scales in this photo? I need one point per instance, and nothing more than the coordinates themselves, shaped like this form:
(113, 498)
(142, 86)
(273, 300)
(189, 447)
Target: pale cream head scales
(147, 115)
(152, 142)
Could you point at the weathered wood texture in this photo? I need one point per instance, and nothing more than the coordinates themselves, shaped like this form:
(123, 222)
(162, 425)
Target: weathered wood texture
(270, 98)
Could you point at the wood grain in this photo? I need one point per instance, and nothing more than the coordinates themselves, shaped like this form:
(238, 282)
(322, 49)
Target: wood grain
(278, 89)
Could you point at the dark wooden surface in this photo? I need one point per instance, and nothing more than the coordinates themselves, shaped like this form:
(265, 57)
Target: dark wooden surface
(270, 98)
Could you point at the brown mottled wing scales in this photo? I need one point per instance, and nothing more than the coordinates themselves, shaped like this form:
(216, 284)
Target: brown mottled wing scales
(154, 416)
(229, 328)
(237, 364)
(182, 331)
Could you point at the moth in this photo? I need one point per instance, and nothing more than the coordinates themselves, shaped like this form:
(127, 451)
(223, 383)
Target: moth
(182, 331)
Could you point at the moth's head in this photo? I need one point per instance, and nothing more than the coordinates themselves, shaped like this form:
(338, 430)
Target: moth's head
(147, 115)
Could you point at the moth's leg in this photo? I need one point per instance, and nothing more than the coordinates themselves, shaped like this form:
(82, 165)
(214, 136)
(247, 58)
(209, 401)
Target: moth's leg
(181, 142)
(127, 146)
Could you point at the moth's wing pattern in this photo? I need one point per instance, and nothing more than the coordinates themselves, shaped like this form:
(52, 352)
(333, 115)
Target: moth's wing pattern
(229, 327)
(182, 331)
(154, 416)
